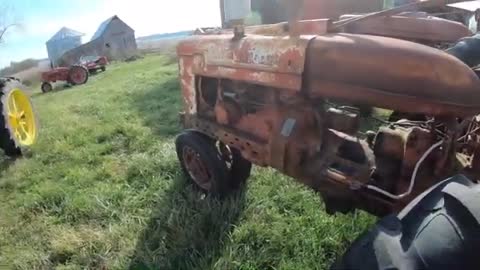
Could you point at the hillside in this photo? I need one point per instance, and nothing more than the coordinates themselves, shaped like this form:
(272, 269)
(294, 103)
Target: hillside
(103, 190)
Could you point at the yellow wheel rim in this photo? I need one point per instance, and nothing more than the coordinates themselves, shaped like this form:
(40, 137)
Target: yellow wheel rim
(21, 120)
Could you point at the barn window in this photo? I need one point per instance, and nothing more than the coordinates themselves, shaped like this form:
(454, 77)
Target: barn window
(107, 45)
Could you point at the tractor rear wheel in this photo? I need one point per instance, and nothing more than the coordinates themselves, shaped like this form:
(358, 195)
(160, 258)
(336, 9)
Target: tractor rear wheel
(18, 126)
(78, 75)
(438, 230)
(46, 87)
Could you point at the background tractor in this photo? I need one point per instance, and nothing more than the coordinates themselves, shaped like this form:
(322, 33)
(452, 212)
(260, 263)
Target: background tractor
(94, 63)
(290, 96)
(18, 124)
(75, 75)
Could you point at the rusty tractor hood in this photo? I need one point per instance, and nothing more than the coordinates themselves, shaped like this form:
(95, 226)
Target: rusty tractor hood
(390, 73)
(361, 69)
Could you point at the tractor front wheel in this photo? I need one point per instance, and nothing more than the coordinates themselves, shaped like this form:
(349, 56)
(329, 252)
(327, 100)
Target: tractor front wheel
(212, 166)
(78, 75)
(46, 87)
(202, 164)
(18, 126)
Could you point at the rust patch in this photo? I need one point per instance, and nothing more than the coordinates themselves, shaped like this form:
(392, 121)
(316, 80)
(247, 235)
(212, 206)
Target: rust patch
(271, 61)
(187, 83)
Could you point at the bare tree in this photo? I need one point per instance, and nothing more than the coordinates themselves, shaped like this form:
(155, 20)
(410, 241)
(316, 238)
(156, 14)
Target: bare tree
(7, 19)
(4, 30)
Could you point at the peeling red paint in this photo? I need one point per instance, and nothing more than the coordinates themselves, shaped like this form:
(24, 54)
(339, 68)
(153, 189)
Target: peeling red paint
(270, 61)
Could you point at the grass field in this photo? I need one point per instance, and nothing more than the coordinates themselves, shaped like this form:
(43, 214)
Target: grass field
(102, 190)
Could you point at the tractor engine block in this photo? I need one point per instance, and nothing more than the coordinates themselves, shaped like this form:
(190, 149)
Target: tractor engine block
(324, 145)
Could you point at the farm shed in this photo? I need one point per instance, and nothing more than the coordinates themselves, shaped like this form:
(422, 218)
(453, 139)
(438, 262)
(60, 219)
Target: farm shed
(113, 39)
(64, 40)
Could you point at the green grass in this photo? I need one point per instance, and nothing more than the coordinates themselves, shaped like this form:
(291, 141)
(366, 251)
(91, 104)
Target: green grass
(102, 189)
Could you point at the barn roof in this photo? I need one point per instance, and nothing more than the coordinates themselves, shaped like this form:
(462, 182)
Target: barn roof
(103, 26)
(65, 32)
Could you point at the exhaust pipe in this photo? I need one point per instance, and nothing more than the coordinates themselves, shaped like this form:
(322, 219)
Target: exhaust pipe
(294, 10)
(235, 12)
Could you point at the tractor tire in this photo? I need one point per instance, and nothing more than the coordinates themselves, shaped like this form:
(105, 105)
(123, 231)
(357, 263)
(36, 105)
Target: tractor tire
(78, 75)
(18, 125)
(202, 163)
(438, 230)
(46, 87)
(240, 170)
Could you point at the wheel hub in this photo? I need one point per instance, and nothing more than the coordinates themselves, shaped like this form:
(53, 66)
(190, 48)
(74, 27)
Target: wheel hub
(78, 76)
(197, 169)
(46, 87)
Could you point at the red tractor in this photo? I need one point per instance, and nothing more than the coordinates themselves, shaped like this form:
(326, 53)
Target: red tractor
(75, 75)
(94, 63)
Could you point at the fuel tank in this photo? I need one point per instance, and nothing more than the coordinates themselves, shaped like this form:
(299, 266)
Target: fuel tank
(390, 73)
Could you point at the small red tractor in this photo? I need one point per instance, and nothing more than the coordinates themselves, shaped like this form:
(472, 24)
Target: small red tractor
(289, 96)
(75, 75)
(94, 63)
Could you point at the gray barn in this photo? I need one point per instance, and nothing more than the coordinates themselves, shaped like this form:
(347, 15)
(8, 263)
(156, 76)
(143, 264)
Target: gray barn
(117, 38)
(113, 39)
(64, 40)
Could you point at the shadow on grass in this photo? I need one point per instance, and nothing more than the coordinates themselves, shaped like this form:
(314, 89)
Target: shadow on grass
(58, 87)
(96, 72)
(187, 230)
(6, 161)
(36, 94)
(160, 106)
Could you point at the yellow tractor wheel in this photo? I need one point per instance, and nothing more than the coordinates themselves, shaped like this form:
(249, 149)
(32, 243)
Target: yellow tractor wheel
(18, 126)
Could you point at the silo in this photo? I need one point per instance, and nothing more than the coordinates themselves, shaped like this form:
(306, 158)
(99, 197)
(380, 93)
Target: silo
(64, 40)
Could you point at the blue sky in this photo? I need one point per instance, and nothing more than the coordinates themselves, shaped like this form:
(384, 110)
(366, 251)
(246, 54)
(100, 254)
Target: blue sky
(41, 19)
